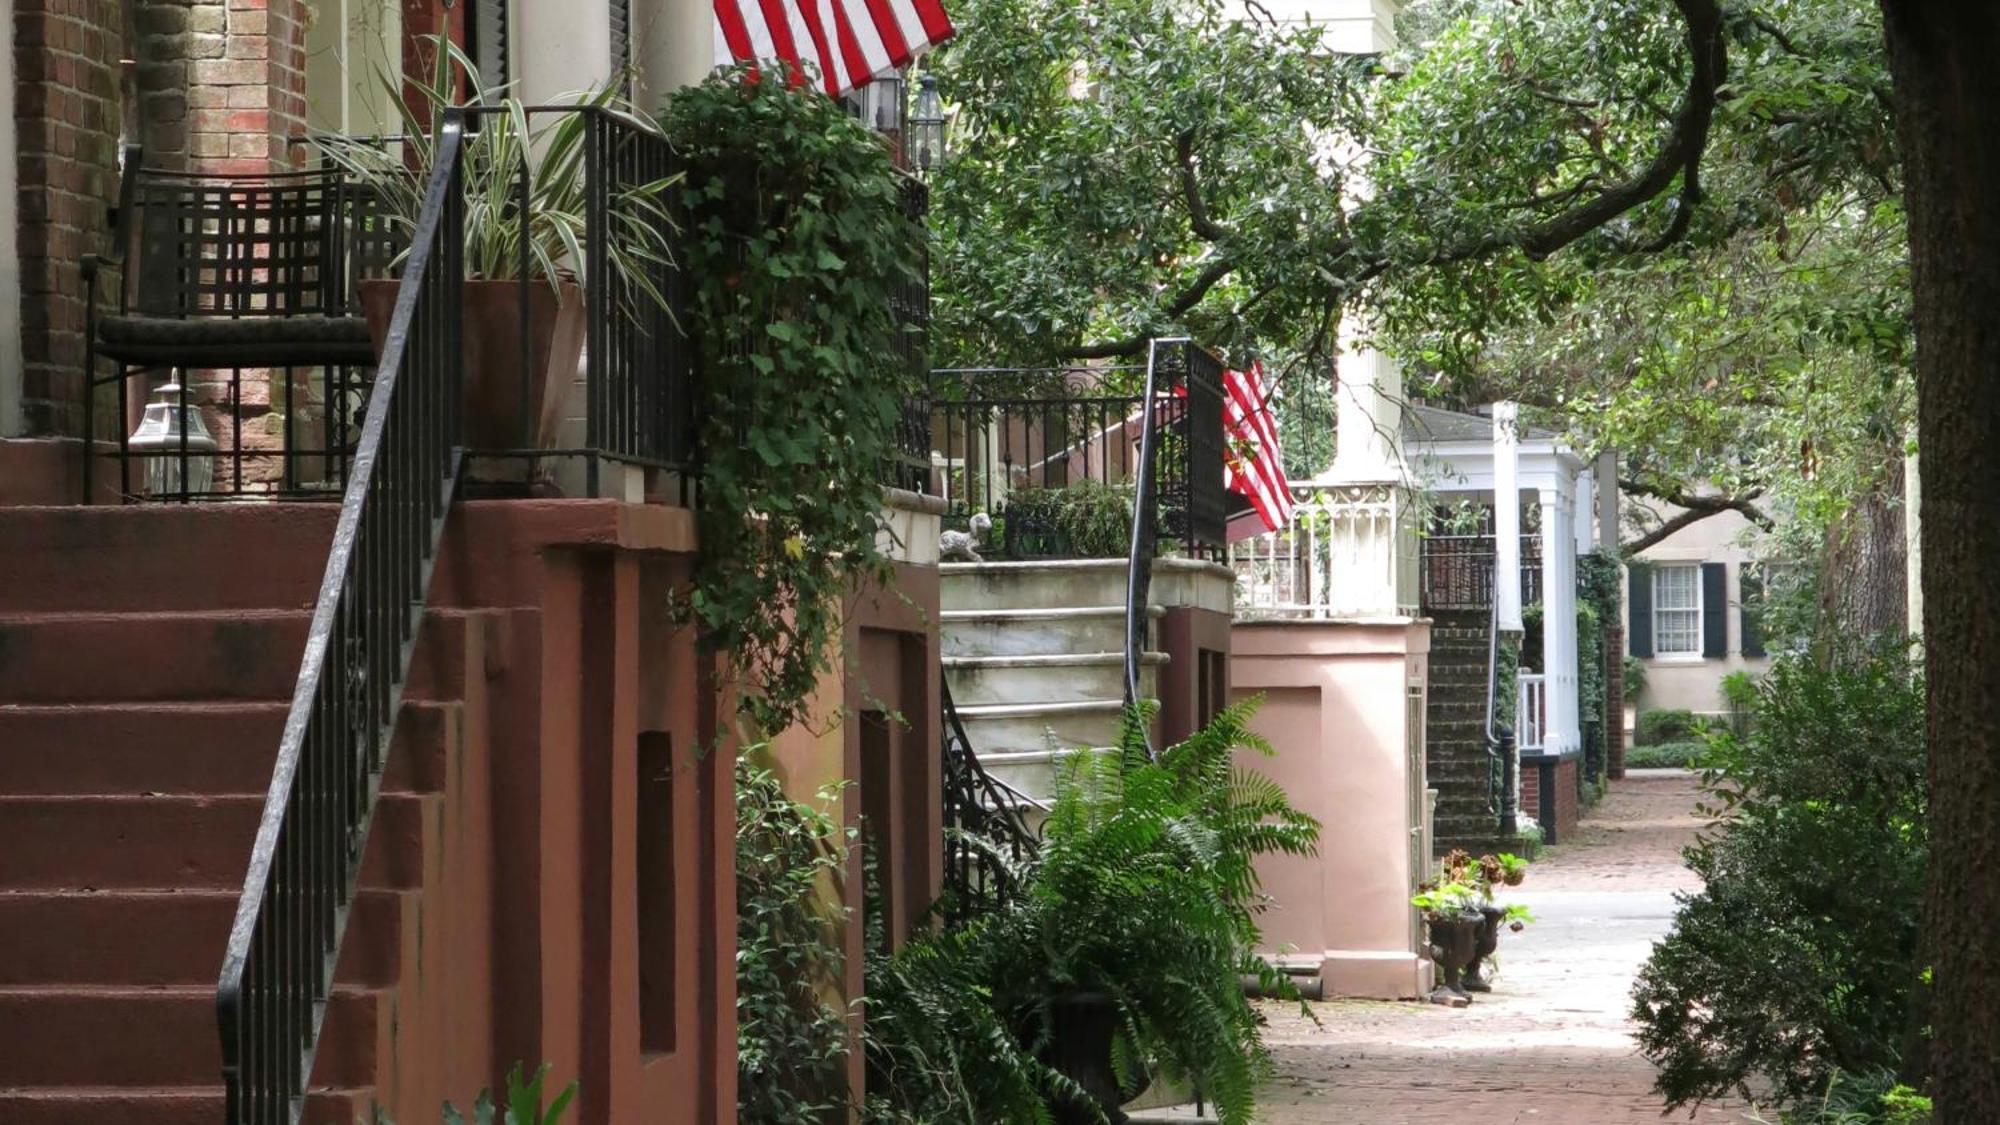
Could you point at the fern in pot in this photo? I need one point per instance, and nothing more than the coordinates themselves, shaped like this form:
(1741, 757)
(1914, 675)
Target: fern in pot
(1122, 957)
(521, 263)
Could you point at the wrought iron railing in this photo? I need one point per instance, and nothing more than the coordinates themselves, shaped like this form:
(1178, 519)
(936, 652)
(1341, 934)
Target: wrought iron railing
(1009, 441)
(986, 835)
(1457, 571)
(277, 974)
(910, 468)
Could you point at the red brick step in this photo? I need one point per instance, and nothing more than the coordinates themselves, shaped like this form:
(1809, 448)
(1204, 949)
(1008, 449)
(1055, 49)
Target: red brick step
(208, 557)
(184, 655)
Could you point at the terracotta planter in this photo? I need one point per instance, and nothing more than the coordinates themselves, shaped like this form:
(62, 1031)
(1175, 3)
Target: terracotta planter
(496, 370)
(1487, 942)
(1453, 939)
(1084, 1024)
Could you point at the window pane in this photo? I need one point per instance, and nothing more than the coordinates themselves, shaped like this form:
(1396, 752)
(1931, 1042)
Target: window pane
(1677, 610)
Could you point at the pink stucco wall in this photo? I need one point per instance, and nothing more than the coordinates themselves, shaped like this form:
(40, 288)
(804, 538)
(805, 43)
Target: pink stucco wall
(1344, 708)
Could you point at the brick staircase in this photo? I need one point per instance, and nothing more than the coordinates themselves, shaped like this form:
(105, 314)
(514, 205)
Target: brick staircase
(147, 658)
(1456, 762)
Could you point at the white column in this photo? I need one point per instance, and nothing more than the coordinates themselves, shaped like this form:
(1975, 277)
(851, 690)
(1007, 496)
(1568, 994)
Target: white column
(1506, 518)
(1558, 620)
(1582, 511)
(1913, 542)
(673, 45)
(1370, 415)
(561, 48)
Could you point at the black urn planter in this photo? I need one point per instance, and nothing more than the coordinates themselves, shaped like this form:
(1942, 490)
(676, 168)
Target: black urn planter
(1488, 940)
(1454, 938)
(1082, 1027)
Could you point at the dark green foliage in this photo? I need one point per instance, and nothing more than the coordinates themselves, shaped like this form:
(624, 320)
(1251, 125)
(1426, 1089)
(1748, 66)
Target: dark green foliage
(1739, 695)
(1663, 724)
(1875, 1098)
(1666, 755)
(791, 1043)
(1145, 892)
(797, 245)
(1796, 959)
(1635, 680)
(1085, 520)
(524, 1103)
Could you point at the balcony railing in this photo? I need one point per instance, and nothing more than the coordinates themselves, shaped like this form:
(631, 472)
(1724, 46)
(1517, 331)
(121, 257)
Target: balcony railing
(1457, 571)
(246, 291)
(1009, 442)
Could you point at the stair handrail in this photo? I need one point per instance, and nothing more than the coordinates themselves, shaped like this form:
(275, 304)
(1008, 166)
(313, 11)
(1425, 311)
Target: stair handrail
(277, 974)
(977, 804)
(1500, 760)
(1145, 537)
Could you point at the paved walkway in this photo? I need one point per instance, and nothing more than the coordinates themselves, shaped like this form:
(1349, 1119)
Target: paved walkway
(1550, 1044)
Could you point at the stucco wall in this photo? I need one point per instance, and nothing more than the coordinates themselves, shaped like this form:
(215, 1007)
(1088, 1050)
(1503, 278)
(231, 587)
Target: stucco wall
(1338, 711)
(1694, 683)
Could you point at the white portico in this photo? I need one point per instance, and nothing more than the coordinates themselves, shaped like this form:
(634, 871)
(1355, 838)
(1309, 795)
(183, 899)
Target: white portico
(1455, 455)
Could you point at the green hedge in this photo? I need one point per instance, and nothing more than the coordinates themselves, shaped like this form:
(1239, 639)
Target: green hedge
(1666, 755)
(1664, 725)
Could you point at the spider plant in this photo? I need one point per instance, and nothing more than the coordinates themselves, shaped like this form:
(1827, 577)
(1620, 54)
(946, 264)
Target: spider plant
(511, 145)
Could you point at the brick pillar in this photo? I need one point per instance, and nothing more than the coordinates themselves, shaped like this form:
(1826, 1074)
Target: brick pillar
(66, 122)
(245, 83)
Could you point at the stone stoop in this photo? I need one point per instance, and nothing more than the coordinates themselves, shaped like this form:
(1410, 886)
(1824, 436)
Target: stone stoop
(1035, 656)
(1456, 763)
(147, 658)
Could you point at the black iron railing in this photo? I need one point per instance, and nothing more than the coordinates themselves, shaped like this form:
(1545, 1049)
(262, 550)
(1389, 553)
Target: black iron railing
(1457, 571)
(1011, 441)
(246, 286)
(910, 469)
(986, 836)
(277, 974)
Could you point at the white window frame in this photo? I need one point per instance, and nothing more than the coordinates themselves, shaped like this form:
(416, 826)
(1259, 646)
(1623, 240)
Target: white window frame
(1660, 634)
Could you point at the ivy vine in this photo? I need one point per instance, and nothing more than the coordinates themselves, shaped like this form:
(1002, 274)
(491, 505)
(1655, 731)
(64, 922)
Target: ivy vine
(796, 245)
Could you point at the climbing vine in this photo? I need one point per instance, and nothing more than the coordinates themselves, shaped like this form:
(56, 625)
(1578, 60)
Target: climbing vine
(797, 243)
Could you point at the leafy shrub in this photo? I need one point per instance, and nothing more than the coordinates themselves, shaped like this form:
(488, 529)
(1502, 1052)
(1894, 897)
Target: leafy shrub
(1796, 960)
(1087, 520)
(524, 1103)
(1870, 1099)
(1635, 680)
(1666, 755)
(1664, 725)
(1144, 891)
(1739, 698)
(791, 1043)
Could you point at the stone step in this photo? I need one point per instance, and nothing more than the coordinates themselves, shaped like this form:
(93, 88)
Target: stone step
(1002, 728)
(1080, 582)
(1038, 632)
(57, 1035)
(156, 558)
(1062, 678)
(161, 1105)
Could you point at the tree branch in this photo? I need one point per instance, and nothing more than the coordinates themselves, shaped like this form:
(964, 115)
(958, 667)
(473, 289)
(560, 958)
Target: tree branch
(1682, 151)
(1694, 508)
(1199, 220)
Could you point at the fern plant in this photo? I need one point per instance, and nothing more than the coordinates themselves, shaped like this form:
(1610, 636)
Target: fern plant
(523, 1106)
(1145, 892)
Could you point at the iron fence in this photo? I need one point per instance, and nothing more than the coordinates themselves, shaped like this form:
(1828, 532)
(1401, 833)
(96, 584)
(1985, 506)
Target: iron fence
(277, 974)
(1014, 442)
(986, 833)
(1457, 571)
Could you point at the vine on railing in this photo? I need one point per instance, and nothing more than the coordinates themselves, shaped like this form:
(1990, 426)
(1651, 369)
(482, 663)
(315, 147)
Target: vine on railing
(277, 975)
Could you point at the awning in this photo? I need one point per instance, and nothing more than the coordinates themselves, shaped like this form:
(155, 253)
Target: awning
(847, 43)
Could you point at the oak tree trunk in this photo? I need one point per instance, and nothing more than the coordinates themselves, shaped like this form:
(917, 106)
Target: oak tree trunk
(1947, 90)
(1864, 585)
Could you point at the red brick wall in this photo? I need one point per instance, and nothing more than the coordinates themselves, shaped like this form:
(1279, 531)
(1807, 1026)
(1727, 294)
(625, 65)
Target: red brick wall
(66, 126)
(1566, 806)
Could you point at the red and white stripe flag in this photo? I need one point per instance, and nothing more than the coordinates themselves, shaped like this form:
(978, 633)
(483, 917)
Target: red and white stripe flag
(1253, 465)
(847, 43)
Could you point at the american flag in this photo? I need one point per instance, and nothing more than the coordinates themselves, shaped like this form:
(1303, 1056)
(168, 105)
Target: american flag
(847, 43)
(1253, 465)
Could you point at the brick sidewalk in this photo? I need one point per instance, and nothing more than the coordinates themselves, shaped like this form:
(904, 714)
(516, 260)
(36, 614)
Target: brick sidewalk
(1550, 1044)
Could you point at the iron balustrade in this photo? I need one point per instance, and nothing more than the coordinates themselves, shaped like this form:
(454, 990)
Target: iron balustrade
(277, 973)
(986, 833)
(1457, 571)
(910, 467)
(1004, 439)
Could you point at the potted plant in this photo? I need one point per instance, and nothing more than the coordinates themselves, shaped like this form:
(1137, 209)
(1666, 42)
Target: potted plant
(520, 263)
(1461, 899)
(1452, 923)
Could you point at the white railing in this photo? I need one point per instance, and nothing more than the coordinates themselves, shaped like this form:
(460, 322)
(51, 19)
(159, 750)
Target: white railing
(1350, 550)
(1533, 714)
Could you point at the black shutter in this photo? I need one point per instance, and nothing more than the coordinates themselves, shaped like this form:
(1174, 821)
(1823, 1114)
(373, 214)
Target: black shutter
(1714, 610)
(621, 40)
(488, 37)
(1750, 609)
(1639, 607)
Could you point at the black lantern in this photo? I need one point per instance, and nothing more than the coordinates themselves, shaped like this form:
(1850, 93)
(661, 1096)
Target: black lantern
(927, 125)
